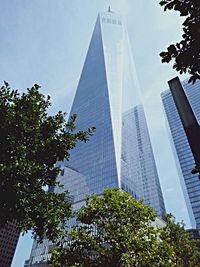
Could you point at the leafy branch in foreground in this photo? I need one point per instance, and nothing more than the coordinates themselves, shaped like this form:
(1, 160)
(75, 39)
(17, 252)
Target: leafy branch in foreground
(31, 142)
(186, 53)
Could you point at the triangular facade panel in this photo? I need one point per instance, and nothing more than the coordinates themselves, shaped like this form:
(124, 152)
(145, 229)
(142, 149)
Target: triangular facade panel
(96, 160)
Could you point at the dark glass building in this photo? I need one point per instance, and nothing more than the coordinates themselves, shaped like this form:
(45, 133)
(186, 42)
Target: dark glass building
(119, 154)
(182, 152)
(8, 241)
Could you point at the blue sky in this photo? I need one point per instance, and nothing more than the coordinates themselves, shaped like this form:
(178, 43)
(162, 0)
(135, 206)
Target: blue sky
(45, 42)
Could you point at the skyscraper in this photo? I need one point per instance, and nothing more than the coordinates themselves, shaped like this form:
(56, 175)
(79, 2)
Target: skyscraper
(106, 91)
(119, 155)
(182, 152)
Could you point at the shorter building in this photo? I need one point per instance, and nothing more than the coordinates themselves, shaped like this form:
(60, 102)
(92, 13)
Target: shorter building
(194, 234)
(8, 241)
(26, 263)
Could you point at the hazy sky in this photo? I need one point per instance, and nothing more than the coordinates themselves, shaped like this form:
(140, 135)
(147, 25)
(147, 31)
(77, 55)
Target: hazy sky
(45, 42)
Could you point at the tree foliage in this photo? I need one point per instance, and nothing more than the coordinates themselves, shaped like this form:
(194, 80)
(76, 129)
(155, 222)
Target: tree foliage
(186, 53)
(184, 248)
(116, 230)
(31, 142)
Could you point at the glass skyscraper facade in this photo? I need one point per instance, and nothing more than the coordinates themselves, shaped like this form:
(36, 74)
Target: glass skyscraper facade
(119, 154)
(183, 155)
(137, 160)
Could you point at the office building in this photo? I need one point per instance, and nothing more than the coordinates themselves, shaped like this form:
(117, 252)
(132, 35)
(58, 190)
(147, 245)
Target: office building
(182, 152)
(115, 156)
(8, 241)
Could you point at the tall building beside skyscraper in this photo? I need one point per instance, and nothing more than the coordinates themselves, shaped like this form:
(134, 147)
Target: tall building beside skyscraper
(183, 155)
(119, 155)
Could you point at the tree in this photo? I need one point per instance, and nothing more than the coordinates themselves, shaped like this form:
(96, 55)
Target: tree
(31, 142)
(186, 53)
(185, 250)
(115, 230)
